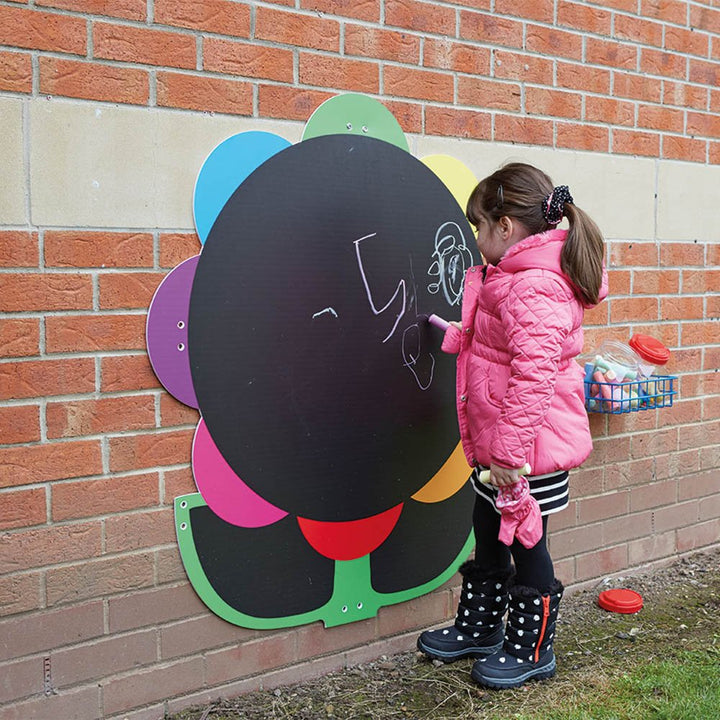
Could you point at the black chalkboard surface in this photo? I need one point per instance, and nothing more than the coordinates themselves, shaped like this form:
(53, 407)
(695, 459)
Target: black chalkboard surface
(319, 378)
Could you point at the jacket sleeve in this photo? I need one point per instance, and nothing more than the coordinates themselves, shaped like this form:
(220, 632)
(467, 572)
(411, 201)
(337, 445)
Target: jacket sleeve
(451, 341)
(538, 317)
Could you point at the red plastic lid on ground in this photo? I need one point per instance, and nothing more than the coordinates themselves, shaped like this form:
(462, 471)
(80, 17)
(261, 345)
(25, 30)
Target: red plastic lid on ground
(650, 349)
(620, 601)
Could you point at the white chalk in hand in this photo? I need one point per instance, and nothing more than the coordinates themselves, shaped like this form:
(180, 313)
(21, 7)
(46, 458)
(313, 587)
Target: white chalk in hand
(484, 476)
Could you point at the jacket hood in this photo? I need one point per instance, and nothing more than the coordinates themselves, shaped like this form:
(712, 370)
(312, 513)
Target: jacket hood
(542, 252)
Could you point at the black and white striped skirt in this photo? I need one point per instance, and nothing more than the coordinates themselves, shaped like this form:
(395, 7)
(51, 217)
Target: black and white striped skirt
(552, 491)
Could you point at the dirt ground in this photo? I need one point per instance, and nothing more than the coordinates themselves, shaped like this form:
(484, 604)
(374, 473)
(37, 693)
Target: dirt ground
(681, 601)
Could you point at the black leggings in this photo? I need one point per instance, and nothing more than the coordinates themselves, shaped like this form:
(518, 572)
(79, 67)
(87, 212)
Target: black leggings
(533, 567)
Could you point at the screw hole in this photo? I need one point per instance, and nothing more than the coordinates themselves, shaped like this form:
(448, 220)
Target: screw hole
(183, 526)
(181, 324)
(349, 126)
(181, 346)
(344, 608)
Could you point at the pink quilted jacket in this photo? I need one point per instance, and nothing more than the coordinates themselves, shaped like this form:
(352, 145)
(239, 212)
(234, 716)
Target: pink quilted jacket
(519, 390)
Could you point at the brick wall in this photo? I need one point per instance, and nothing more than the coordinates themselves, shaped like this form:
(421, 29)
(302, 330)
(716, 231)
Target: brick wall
(107, 108)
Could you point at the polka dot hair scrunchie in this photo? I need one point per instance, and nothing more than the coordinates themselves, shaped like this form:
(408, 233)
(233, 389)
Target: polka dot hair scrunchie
(553, 207)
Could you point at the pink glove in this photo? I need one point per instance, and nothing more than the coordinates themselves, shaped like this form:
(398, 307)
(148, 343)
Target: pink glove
(520, 514)
(451, 340)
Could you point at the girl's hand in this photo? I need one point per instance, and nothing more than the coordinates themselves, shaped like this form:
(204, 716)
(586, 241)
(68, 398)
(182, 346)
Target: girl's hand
(501, 477)
(456, 324)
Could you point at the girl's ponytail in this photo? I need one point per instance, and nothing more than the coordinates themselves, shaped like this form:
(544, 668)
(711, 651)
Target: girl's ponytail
(582, 254)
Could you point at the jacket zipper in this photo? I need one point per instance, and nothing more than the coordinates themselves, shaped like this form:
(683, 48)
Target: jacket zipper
(543, 628)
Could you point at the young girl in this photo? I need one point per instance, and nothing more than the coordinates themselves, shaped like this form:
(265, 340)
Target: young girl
(520, 400)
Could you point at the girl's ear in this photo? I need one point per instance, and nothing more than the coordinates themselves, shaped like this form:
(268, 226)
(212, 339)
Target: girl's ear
(506, 227)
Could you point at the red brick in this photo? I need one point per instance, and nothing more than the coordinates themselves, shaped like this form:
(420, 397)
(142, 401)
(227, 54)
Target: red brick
(104, 657)
(173, 412)
(458, 123)
(147, 685)
(421, 17)
(639, 30)
(603, 506)
(697, 435)
(140, 531)
(612, 54)
(408, 114)
(656, 117)
(19, 424)
(681, 308)
(581, 77)
(124, 291)
(15, 72)
(334, 72)
(525, 68)
(418, 84)
(88, 498)
(72, 418)
(524, 130)
(195, 635)
(168, 565)
(205, 94)
(491, 94)
(704, 124)
(538, 10)
(178, 482)
(697, 333)
(157, 606)
(294, 29)
(637, 87)
(682, 40)
(77, 248)
(74, 703)
(23, 508)
(128, 9)
(631, 142)
(584, 17)
(681, 148)
(553, 42)
(19, 337)
(654, 495)
(42, 378)
(49, 461)
(658, 545)
(661, 282)
(98, 578)
(698, 535)
(28, 292)
(665, 64)
(89, 333)
(53, 32)
(610, 111)
(20, 680)
(672, 11)
(19, 594)
(94, 81)
(372, 42)
(705, 18)
(289, 103)
(701, 281)
(133, 452)
(491, 29)
(628, 474)
(127, 372)
(49, 545)
(446, 54)
(267, 653)
(144, 46)
(361, 9)
(247, 60)
(602, 562)
(582, 137)
(554, 103)
(18, 248)
(176, 247)
(704, 72)
(216, 16)
(700, 485)
(633, 309)
(684, 95)
(679, 254)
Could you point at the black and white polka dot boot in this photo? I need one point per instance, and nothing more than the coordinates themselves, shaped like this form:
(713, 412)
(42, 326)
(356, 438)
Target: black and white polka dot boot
(478, 628)
(527, 653)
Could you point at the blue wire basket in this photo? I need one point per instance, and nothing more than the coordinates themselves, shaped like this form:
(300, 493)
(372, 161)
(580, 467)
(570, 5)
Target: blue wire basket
(617, 398)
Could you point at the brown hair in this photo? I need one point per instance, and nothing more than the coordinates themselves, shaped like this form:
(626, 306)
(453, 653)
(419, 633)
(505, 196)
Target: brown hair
(520, 191)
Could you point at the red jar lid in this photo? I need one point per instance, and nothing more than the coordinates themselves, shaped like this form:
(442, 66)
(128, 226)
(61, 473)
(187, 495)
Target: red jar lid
(650, 349)
(620, 601)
